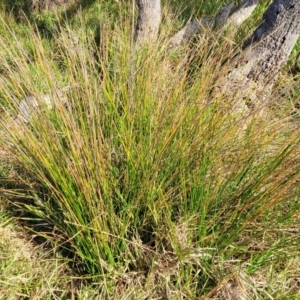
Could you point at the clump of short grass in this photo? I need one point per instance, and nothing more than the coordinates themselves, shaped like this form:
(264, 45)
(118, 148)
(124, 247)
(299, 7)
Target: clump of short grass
(153, 184)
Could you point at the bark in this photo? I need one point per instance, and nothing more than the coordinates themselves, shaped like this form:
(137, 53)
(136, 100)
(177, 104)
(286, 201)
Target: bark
(188, 31)
(265, 53)
(242, 13)
(223, 15)
(195, 27)
(254, 71)
(149, 17)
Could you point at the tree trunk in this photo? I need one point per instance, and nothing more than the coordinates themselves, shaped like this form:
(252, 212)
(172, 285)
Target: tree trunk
(266, 52)
(250, 81)
(149, 18)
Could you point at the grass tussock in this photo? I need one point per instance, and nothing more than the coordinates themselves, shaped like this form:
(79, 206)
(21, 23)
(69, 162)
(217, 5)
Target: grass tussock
(153, 185)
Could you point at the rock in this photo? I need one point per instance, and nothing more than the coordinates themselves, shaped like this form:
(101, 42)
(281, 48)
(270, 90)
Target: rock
(30, 104)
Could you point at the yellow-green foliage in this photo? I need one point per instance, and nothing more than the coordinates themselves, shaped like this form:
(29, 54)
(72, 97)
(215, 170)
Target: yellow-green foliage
(155, 186)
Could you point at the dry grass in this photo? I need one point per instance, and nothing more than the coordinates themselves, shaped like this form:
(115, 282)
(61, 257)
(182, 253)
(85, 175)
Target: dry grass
(27, 270)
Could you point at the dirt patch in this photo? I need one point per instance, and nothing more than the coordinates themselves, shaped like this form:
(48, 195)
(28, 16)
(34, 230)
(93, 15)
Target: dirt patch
(15, 242)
